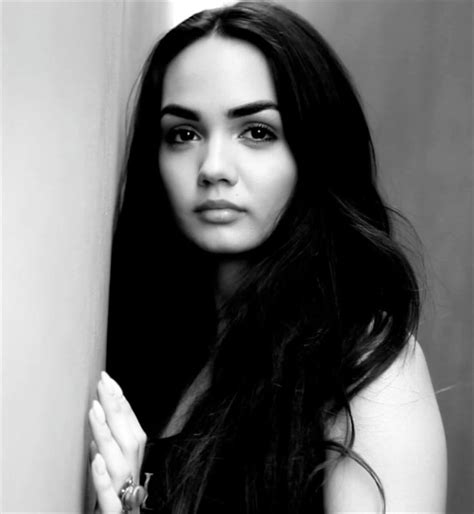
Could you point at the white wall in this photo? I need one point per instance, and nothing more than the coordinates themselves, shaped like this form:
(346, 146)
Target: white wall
(67, 71)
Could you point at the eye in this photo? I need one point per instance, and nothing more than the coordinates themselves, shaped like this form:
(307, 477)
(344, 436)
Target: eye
(258, 134)
(181, 135)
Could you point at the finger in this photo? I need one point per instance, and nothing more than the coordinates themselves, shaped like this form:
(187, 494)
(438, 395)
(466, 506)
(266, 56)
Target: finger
(135, 426)
(123, 423)
(118, 467)
(106, 496)
(118, 420)
(134, 423)
(138, 431)
(93, 450)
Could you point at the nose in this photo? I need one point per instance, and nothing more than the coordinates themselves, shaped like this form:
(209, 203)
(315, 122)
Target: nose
(216, 164)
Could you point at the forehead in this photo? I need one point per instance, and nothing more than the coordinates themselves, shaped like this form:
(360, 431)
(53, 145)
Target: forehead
(218, 72)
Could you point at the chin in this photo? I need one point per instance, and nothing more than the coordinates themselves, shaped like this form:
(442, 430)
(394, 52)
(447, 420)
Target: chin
(226, 248)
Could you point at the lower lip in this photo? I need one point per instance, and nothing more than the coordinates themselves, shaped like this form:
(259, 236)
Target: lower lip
(220, 216)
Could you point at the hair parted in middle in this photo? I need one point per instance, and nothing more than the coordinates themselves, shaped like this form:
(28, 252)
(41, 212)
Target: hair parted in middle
(325, 306)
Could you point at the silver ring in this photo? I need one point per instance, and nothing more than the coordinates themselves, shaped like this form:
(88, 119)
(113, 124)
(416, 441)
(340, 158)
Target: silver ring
(131, 495)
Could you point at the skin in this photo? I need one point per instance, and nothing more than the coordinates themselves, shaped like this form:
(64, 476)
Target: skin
(218, 156)
(399, 433)
(223, 140)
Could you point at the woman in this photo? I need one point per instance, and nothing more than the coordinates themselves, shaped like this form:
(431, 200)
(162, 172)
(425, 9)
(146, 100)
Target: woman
(262, 316)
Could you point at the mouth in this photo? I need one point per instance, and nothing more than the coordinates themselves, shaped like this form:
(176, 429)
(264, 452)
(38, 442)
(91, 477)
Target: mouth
(219, 212)
(215, 205)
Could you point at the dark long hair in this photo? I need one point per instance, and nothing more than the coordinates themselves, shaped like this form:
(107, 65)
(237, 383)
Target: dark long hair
(325, 306)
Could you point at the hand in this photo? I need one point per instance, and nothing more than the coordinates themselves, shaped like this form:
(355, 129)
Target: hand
(119, 444)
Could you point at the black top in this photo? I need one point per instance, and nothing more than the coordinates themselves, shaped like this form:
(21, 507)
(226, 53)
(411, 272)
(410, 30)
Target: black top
(153, 474)
(224, 493)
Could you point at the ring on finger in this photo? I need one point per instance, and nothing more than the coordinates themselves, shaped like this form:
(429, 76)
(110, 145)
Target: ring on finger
(131, 495)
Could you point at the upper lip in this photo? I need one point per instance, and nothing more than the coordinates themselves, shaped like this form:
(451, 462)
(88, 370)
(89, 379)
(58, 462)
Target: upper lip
(217, 204)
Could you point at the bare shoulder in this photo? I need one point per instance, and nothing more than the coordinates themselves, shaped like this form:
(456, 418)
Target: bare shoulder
(399, 433)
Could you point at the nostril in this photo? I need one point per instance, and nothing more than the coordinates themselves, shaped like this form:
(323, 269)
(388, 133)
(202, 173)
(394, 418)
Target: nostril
(209, 177)
(204, 179)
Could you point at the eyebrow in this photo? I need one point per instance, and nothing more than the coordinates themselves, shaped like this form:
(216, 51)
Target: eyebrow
(236, 112)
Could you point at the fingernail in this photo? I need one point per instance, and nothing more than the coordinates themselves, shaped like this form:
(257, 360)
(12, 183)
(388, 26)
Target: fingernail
(98, 411)
(108, 384)
(99, 464)
(114, 387)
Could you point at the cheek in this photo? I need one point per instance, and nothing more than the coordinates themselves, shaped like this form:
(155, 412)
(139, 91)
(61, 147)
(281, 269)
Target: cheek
(279, 188)
(287, 184)
(174, 180)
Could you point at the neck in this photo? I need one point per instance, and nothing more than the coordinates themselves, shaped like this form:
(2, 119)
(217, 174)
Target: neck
(228, 276)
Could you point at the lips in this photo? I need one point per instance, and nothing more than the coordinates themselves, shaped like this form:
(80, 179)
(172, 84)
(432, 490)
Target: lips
(219, 212)
(212, 205)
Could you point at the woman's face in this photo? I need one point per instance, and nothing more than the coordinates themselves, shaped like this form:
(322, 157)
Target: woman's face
(223, 157)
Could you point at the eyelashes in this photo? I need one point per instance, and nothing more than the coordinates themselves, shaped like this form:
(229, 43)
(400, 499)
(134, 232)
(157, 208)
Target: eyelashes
(254, 134)
(258, 133)
(180, 136)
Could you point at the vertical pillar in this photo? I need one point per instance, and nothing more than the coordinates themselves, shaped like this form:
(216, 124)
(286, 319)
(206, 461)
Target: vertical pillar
(62, 130)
